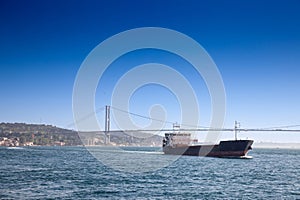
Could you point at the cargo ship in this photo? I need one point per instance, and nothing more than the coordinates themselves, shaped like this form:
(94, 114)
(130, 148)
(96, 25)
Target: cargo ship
(177, 143)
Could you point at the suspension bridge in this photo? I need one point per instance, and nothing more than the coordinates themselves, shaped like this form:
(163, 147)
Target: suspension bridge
(236, 129)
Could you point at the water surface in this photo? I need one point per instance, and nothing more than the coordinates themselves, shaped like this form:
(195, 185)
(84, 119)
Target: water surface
(73, 173)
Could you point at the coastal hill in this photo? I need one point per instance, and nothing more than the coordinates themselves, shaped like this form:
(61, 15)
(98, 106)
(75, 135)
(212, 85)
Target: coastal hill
(22, 134)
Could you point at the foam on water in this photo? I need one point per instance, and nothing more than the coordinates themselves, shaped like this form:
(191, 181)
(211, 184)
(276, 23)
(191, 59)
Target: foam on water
(18, 148)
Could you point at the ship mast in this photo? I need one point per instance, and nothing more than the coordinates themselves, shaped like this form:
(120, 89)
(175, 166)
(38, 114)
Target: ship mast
(237, 125)
(176, 127)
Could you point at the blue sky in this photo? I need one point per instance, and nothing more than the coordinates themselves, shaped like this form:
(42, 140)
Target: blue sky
(255, 44)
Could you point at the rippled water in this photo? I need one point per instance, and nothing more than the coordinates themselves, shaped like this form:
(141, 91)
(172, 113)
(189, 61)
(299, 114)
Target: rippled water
(73, 173)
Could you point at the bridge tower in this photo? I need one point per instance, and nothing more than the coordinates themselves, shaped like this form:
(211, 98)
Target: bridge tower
(107, 124)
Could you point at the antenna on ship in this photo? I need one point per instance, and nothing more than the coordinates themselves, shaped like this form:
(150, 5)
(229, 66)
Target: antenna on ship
(237, 125)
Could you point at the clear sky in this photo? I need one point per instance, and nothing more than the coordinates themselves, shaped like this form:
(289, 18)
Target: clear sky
(255, 44)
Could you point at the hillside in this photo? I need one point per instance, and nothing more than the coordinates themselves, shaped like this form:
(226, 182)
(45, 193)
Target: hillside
(120, 138)
(37, 134)
(21, 134)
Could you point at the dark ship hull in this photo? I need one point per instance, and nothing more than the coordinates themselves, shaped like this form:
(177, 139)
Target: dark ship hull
(231, 148)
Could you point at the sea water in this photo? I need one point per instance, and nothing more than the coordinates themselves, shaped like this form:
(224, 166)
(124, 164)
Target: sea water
(74, 173)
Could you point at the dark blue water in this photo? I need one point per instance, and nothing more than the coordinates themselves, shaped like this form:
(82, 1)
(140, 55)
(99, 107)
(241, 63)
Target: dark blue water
(73, 173)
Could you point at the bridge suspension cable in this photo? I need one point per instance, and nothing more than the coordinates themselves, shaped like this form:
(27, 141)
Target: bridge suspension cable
(193, 128)
(159, 120)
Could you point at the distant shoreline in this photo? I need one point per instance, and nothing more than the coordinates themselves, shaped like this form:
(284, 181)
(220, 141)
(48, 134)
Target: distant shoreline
(260, 146)
(270, 145)
(22, 134)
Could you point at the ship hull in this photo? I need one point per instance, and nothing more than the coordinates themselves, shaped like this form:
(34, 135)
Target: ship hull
(231, 148)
